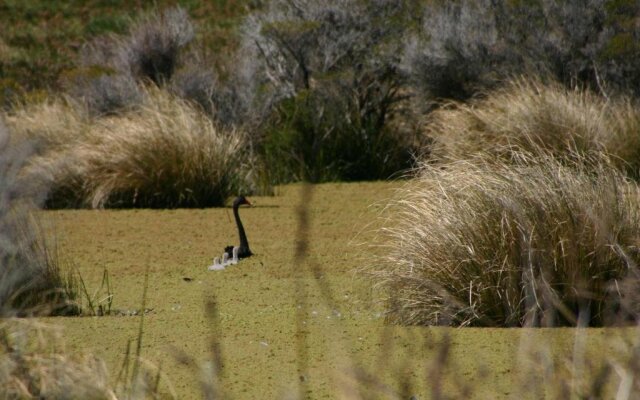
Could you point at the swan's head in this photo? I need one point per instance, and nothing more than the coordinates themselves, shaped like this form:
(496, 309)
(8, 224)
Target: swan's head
(241, 200)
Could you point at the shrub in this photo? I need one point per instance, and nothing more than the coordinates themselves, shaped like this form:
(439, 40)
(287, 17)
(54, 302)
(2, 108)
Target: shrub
(333, 133)
(238, 98)
(537, 243)
(103, 80)
(104, 93)
(31, 281)
(110, 68)
(295, 43)
(196, 84)
(529, 115)
(155, 43)
(328, 68)
(458, 50)
(470, 45)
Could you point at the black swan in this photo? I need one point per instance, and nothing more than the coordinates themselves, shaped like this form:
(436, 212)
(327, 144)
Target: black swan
(243, 249)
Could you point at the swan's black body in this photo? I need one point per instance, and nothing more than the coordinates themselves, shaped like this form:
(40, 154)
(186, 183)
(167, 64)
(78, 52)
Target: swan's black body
(243, 250)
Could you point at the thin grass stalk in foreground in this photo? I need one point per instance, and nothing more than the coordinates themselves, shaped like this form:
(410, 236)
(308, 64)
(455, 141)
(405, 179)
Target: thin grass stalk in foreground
(211, 383)
(136, 362)
(301, 298)
(480, 243)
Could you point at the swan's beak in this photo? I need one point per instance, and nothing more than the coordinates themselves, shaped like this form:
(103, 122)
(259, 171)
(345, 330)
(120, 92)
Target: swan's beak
(247, 202)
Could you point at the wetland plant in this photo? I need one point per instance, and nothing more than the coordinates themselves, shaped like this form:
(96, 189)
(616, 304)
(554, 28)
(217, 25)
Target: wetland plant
(111, 69)
(35, 365)
(535, 116)
(167, 153)
(31, 281)
(530, 243)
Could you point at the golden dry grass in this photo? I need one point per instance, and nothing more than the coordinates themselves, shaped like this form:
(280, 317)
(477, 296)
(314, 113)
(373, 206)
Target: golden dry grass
(167, 153)
(35, 364)
(532, 116)
(534, 242)
(52, 123)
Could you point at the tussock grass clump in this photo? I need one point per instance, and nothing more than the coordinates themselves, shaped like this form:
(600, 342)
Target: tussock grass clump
(531, 115)
(536, 243)
(31, 281)
(53, 122)
(167, 153)
(34, 364)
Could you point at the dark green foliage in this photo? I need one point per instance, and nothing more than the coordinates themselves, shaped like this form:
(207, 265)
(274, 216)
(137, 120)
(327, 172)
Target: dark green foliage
(330, 69)
(333, 132)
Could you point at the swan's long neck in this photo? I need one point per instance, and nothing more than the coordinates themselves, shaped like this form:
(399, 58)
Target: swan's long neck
(243, 236)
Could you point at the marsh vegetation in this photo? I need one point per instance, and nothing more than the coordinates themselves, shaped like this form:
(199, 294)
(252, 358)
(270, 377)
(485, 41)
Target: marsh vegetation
(412, 164)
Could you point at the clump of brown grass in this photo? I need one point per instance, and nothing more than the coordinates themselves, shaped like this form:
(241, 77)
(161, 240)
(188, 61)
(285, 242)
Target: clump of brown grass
(529, 115)
(31, 280)
(34, 364)
(53, 128)
(53, 122)
(535, 242)
(166, 153)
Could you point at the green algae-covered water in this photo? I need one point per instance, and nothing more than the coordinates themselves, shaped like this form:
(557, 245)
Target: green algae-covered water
(283, 326)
